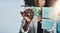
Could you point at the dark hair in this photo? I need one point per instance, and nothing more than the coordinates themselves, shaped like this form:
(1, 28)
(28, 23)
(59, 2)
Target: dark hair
(48, 3)
(29, 2)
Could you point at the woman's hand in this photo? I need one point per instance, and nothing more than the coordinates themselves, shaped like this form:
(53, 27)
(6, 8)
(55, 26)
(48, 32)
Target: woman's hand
(28, 16)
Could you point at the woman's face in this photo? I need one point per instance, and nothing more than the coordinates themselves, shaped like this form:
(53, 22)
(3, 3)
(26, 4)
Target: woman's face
(40, 3)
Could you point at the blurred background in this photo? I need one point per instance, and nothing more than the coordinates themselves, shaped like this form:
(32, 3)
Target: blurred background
(10, 16)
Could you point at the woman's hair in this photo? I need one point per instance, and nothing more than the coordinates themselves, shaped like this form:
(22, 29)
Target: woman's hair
(29, 2)
(48, 3)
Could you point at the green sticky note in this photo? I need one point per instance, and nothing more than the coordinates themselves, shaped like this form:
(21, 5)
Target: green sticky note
(36, 11)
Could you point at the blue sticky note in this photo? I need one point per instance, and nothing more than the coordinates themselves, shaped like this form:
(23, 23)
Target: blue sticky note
(47, 23)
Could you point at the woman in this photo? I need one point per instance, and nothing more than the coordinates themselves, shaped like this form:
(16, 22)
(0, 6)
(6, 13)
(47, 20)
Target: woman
(30, 22)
